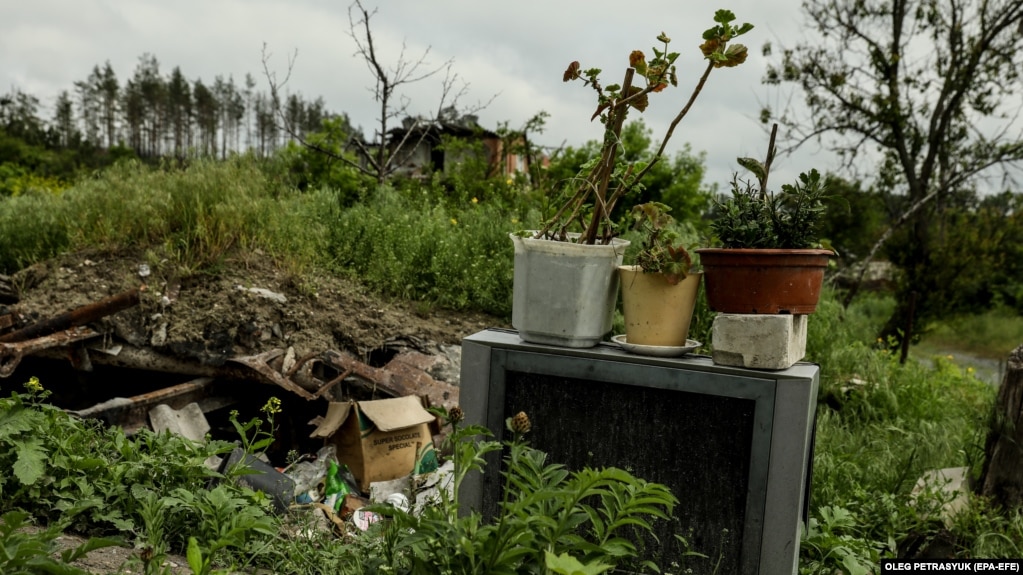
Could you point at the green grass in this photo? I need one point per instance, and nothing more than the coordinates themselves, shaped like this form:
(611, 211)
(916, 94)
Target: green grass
(992, 334)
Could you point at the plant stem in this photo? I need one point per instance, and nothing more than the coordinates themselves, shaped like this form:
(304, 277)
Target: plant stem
(682, 114)
(768, 160)
(602, 175)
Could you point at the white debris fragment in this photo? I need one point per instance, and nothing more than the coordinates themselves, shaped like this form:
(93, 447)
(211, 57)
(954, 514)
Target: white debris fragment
(270, 295)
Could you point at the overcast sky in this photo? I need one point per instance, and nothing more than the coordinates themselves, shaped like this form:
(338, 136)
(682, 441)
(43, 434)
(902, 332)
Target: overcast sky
(514, 52)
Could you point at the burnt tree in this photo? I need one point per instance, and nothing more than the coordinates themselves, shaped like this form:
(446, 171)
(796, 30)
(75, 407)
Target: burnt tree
(1002, 475)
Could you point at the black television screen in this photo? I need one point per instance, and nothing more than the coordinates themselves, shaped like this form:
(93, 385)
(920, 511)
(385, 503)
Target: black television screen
(733, 445)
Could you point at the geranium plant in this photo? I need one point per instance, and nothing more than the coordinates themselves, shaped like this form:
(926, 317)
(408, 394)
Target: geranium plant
(605, 179)
(662, 250)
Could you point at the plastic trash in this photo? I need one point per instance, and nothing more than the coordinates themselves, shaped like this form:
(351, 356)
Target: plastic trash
(335, 487)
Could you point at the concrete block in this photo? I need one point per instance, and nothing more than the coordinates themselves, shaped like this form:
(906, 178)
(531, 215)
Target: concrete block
(953, 484)
(759, 341)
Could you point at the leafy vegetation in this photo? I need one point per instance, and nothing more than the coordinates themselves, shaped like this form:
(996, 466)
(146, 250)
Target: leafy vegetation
(154, 491)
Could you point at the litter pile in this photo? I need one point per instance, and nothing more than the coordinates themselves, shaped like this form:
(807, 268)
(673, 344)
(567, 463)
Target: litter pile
(367, 368)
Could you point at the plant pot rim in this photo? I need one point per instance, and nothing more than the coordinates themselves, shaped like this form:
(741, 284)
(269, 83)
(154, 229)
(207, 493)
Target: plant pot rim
(637, 268)
(766, 251)
(615, 241)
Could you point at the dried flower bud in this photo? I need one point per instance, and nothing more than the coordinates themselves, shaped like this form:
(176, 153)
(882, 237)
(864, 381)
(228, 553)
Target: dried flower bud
(710, 46)
(572, 72)
(520, 423)
(638, 61)
(455, 415)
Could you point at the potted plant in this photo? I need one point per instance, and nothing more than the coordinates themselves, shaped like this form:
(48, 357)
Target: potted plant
(659, 290)
(771, 261)
(565, 273)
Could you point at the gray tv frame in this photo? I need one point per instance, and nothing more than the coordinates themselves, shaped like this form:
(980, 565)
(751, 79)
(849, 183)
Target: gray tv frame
(782, 443)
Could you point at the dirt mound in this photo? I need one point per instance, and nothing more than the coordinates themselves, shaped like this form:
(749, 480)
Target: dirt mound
(245, 306)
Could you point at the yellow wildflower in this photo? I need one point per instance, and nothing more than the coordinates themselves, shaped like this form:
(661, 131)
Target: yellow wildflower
(475, 201)
(33, 385)
(273, 405)
(454, 222)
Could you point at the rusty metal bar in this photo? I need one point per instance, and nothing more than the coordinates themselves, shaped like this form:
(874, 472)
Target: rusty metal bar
(76, 317)
(11, 354)
(130, 412)
(396, 379)
(260, 364)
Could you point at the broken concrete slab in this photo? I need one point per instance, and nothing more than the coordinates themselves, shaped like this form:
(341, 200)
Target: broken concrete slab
(131, 413)
(188, 421)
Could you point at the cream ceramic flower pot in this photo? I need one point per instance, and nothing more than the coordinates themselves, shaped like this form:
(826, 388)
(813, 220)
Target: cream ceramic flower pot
(656, 312)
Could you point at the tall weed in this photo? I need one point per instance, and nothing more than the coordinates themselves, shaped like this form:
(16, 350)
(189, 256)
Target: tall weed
(32, 228)
(408, 245)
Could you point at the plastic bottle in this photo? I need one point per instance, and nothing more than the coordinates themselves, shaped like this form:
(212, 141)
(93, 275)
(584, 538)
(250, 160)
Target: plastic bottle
(335, 488)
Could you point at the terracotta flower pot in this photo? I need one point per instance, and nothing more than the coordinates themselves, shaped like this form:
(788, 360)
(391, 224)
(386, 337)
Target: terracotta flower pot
(656, 312)
(766, 281)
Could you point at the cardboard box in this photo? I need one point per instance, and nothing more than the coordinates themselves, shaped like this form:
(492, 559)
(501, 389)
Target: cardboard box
(379, 440)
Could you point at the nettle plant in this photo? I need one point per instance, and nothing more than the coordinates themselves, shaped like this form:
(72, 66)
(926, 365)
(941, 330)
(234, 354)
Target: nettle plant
(590, 197)
(662, 250)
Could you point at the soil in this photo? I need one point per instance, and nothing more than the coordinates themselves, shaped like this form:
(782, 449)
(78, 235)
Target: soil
(247, 305)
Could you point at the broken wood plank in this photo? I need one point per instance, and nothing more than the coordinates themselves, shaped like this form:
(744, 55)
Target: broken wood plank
(1001, 477)
(236, 369)
(260, 364)
(8, 291)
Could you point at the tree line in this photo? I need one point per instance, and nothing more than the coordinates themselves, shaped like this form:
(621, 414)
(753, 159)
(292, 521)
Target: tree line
(153, 114)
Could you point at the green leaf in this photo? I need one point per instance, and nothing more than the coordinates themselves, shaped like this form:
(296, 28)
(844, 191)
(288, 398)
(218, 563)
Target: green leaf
(724, 16)
(17, 420)
(30, 464)
(194, 556)
(47, 565)
(565, 564)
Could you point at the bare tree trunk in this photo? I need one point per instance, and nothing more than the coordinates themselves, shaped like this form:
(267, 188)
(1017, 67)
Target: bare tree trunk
(1002, 476)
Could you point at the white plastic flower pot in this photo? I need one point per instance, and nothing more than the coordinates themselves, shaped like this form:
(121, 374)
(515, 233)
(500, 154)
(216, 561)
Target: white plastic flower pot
(564, 293)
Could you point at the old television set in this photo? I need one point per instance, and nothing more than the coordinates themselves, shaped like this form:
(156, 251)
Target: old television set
(734, 445)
